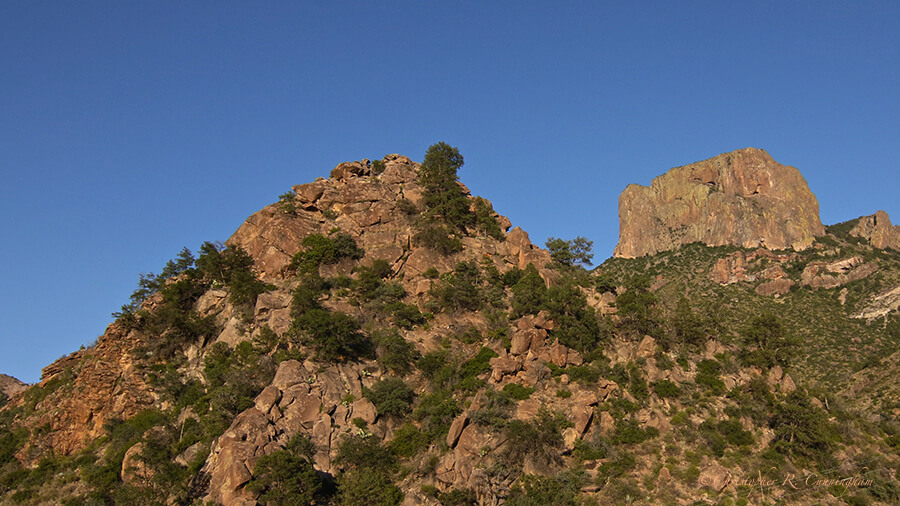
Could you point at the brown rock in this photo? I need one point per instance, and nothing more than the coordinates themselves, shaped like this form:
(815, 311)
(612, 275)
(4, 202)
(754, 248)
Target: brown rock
(743, 198)
(456, 429)
(134, 470)
(504, 366)
(664, 476)
(647, 347)
(11, 386)
(715, 477)
(267, 398)
(878, 230)
(775, 287)
(607, 423)
(581, 418)
(290, 372)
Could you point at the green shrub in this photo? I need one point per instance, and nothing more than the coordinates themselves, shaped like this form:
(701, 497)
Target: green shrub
(539, 439)
(629, 432)
(459, 290)
(394, 353)
(708, 372)
(286, 202)
(495, 409)
(560, 490)
(517, 391)
(408, 441)
(439, 238)
(529, 293)
(391, 397)
(767, 342)
(368, 487)
(575, 322)
(378, 167)
(484, 219)
(287, 476)
(436, 411)
(334, 336)
(665, 389)
(407, 207)
(431, 273)
(405, 316)
(801, 429)
(321, 249)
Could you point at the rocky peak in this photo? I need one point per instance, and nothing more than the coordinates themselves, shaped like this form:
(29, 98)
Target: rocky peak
(10, 386)
(743, 198)
(878, 230)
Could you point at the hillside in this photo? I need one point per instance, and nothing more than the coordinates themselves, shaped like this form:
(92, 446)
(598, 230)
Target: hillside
(384, 337)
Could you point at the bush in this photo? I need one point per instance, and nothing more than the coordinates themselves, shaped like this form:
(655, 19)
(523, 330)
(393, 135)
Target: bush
(286, 202)
(665, 389)
(439, 238)
(368, 487)
(517, 391)
(708, 371)
(436, 411)
(391, 397)
(407, 207)
(378, 167)
(529, 293)
(394, 353)
(408, 441)
(560, 490)
(495, 409)
(459, 290)
(802, 429)
(484, 219)
(575, 323)
(287, 476)
(767, 342)
(321, 249)
(405, 316)
(335, 337)
(539, 439)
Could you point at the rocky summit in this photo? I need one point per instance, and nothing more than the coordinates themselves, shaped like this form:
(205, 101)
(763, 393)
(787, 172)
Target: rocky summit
(743, 198)
(384, 337)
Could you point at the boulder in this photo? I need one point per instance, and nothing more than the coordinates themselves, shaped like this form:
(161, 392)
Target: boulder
(878, 230)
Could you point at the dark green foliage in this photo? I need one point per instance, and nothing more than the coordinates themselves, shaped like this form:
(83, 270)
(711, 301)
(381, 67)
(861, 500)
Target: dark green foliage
(768, 343)
(637, 385)
(459, 290)
(637, 307)
(571, 253)
(802, 429)
(175, 322)
(286, 202)
(629, 432)
(604, 283)
(321, 249)
(708, 372)
(575, 323)
(484, 219)
(439, 238)
(584, 374)
(687, 327)
(444, 198)
(458, 497)
(477, 365)
(151, 283)
(431, 273)
(368, 479)
(560, 490)
(529, 293)
(368, 487)
(408, 441)
(436, 411)
(405, 316)
(495, 409)
(232, 267)
(287, 477)
(407, 207)
(517, 391)
(391, 397)
(378, 167)
(539, 439)
(335, 336)
(665, 389)
(394, 353)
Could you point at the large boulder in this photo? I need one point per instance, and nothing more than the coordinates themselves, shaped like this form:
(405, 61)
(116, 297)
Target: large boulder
(878, 230)
(743, 198)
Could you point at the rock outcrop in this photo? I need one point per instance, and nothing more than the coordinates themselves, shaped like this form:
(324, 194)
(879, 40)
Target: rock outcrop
(10, 386)
(743, 198)
(878, 230)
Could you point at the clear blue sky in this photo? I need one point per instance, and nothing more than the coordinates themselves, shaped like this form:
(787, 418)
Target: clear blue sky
(131, 129)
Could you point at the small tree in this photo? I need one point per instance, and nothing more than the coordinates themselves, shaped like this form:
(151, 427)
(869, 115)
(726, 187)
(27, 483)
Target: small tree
(287, 476)
(443, 195)
(571, 253)
(334, 336)
(529, 294)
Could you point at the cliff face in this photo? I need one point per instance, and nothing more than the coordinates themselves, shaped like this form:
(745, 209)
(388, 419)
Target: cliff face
(742, 198)
(878, 230)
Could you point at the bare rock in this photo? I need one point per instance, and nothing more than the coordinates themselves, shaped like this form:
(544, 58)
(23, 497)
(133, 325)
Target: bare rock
(730, 269)
(775, 375)
(647, 347)
(503, 367)
(743, 198)
(775, 287)
(607, 423)
(715, 477)
(456, 429)
(878, 230)
(134, 470)
(290, 372)
(11, 386)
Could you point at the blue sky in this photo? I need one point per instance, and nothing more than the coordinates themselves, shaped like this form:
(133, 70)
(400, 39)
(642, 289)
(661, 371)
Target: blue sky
(131, 129)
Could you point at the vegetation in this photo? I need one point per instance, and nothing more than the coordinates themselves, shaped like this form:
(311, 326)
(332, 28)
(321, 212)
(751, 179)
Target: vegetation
(287, 477)
(572, 252)
(325, 249)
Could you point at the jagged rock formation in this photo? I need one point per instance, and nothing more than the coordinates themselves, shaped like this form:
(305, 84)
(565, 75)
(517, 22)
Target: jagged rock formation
(743, 198)
(11, 386)
(878, 230)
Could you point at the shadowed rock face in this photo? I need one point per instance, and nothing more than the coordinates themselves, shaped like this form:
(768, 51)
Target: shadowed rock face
(743, 198)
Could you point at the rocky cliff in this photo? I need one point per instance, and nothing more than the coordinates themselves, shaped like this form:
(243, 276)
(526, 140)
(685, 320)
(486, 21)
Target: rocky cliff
(11, 386)
(878, 230)
(743, 198)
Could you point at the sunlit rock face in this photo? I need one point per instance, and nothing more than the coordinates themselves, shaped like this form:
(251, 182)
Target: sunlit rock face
(743, 198)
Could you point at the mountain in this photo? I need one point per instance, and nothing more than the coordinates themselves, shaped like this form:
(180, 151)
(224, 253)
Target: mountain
(743, 198)
(381, 336)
